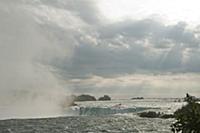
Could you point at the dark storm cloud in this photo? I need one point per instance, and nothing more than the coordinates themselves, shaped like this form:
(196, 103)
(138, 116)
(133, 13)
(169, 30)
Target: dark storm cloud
(135, 46)
(124, 56)
(128, 46)
(157, 32)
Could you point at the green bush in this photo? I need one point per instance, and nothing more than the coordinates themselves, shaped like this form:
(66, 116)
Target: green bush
(188, 117)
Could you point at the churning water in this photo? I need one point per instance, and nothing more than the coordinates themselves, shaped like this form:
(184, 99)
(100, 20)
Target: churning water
(117, 116)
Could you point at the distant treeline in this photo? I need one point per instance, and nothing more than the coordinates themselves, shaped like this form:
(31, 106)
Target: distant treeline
(86, 97)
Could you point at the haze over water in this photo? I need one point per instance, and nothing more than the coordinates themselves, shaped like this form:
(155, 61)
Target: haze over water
(53, 48)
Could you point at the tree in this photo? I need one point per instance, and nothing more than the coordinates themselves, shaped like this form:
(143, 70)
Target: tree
(85, 98)
(104, 98)
(188, 117)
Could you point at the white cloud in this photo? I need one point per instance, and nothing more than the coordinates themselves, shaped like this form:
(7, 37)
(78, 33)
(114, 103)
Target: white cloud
(149, 85)
(168, 11)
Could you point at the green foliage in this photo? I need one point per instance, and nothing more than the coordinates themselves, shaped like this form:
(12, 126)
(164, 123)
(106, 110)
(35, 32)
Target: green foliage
(188, 117)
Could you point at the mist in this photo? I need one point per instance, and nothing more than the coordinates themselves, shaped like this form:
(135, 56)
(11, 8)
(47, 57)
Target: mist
(29, 85)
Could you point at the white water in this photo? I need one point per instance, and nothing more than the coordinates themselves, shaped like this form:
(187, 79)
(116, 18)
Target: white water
(128, 107)
(97, 118)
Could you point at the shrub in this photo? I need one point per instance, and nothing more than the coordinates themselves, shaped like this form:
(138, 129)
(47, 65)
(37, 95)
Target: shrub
(188, 117)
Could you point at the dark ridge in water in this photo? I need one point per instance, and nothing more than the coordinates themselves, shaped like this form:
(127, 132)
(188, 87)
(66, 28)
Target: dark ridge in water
(86, 124)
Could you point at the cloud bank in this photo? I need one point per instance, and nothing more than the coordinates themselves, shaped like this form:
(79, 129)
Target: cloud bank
(128, 47)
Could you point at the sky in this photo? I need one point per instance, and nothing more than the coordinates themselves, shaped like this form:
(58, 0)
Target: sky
(136, 48)
(123, 48)
(171, 11)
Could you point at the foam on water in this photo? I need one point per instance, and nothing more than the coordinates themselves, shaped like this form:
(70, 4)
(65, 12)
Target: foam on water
(98, 108)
